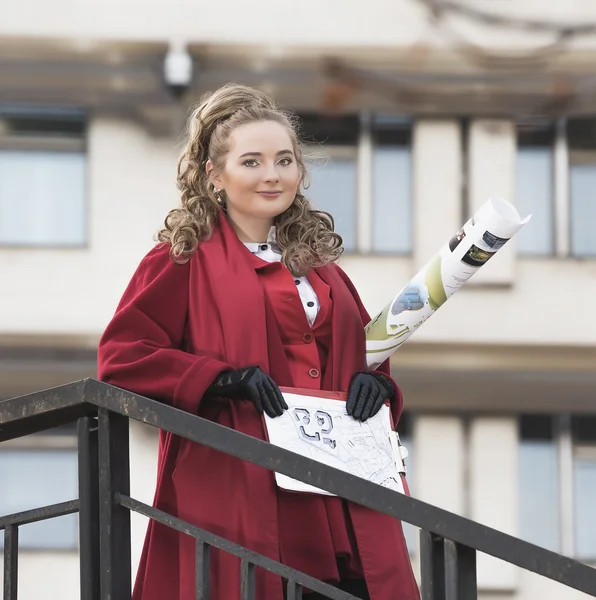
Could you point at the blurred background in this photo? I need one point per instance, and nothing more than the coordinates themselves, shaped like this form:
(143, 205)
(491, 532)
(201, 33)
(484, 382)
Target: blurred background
(424, 109)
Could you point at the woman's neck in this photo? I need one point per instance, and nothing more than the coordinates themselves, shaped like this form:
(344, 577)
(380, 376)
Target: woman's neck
(250, 229)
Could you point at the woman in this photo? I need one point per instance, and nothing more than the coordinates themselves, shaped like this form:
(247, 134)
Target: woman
(241, 296)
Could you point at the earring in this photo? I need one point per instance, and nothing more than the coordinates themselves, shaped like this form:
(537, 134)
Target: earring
(218, 196)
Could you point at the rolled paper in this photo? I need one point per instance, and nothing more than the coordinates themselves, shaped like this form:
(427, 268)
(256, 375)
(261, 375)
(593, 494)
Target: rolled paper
(491, 227)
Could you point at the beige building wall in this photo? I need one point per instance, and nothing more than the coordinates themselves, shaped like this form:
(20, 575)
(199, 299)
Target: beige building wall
(131, 188)
(51, 575)
(437, 174)
(491, 174)
(468, 468)
(329, 23)
(492, 460)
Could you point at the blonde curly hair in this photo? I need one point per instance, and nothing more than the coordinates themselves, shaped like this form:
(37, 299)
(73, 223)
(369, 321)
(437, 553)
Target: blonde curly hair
(305, 236)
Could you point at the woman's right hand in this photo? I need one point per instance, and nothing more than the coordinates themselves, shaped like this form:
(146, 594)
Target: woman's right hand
(250, 383)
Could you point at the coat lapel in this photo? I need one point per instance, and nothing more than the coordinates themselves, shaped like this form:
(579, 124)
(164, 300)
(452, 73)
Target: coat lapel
(248, 328)
(234, 286)
(348, 332)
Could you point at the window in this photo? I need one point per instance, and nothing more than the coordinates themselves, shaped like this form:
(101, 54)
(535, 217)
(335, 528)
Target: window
(333, 188)
(339, 165)
(37, 471)
(557, 483)
(392, 185)
(333, 171)
(581, 135)
(555, 181)
(538, 482)
(534, 193)
(583, 431)
(42, 178)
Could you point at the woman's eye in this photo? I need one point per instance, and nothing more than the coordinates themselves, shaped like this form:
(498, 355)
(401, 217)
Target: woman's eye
(285, 161)
(251, 162)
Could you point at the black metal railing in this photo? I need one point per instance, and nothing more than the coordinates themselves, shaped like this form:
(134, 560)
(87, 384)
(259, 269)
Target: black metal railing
(448, 542)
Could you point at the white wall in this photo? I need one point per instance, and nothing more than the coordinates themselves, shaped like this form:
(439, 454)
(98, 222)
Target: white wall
(493, 492)
(437, 186)
(474, 473)
(51, 575)
(131, 189)
(311, 22)
(332, 22)
(143, 473)
(439, 462)
(491, 174)
(534, 587)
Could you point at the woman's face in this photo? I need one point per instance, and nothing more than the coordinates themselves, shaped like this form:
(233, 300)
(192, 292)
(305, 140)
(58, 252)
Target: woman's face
(260, 175)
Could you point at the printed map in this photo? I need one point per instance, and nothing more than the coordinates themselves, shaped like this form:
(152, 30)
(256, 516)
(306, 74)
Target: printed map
(320, 429)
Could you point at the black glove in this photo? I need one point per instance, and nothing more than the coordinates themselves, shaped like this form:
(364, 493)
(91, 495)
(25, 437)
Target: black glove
(251, 384)
(367, 393)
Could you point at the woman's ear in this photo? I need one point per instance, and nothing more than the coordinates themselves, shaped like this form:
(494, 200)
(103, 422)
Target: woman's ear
(213, 175)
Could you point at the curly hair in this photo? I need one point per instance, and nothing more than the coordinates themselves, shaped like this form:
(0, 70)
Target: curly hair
(305, 236)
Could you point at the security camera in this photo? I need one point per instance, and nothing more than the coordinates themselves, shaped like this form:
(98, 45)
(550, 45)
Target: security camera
(178, 70)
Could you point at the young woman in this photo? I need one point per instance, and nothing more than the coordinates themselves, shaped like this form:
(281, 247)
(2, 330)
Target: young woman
(242, 295)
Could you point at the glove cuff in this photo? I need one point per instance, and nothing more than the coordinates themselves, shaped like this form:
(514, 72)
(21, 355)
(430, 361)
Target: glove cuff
(228, 382)
(386, 382)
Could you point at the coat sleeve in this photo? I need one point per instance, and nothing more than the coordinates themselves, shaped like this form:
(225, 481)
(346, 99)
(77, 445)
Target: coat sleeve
(397, 401)
(141, 348)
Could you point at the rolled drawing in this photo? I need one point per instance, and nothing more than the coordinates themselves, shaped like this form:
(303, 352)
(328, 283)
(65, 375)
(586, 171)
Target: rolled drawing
(482, 236)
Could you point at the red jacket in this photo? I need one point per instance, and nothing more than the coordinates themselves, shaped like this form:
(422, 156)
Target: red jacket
(176, 328)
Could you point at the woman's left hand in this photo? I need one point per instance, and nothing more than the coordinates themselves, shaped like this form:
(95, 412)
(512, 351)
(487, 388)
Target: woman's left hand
(367, 393)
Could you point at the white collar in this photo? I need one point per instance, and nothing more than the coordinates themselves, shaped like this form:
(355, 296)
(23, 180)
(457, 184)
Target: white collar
(271, 241)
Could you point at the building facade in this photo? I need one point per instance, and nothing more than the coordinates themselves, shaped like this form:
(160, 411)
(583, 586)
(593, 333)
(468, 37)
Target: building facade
(413, 123)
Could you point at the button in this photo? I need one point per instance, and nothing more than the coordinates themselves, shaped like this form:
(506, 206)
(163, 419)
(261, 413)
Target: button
(311, 304)
(264, 246)
(314, 373)
(297, 281)
(307, 337)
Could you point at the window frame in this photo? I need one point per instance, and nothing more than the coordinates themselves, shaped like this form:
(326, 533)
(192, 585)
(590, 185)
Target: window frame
(362, 151)
(568, 449)
(550, 131)
(50, 143)
(578, 158)
(327, 153)
(565, 156)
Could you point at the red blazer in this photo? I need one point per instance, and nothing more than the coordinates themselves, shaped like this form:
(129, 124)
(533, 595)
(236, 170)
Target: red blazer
(175, 329)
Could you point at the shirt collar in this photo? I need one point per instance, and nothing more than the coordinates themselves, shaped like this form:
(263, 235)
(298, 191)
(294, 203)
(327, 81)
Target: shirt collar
(254, 247)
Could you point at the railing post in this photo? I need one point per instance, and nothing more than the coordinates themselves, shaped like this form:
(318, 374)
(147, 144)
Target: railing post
(247, 580)
(114, 520)
(432, 566)
(460, 572)
(88, 508)
(294, 591)
(203, 571)
(11, 562)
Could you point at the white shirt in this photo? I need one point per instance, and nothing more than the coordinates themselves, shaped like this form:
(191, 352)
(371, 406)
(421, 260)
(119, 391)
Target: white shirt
(271, 252)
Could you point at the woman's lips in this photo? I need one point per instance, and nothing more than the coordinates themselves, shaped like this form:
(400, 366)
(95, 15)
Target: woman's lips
(273, 194)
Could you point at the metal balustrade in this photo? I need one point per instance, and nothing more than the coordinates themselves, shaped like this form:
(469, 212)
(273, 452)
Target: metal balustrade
(448, 546)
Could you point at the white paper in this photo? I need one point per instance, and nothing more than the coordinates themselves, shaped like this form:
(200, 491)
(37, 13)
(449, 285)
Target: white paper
(494, 224)
(320, 429)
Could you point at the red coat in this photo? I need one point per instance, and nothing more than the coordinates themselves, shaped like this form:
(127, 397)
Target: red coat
(175, 329)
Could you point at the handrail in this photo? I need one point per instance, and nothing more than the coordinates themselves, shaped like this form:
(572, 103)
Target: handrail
(39, 514)
(58, 406)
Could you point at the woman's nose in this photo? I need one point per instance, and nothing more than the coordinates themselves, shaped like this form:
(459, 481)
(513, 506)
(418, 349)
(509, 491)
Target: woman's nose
(272, 174)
